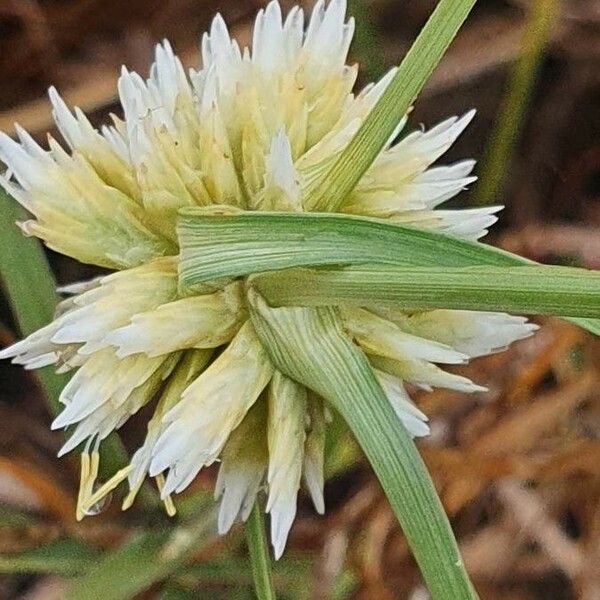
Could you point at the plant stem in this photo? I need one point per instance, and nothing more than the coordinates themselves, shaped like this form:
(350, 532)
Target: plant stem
(516, 100)
(259, 554)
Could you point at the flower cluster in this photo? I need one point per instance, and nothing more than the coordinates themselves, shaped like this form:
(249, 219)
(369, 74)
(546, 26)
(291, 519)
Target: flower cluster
(252, 129)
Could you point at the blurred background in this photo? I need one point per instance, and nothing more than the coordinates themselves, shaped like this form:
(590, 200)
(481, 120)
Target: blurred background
(517, 467)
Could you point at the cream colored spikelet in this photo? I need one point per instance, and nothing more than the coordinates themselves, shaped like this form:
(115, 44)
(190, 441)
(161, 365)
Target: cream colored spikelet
(250, 130)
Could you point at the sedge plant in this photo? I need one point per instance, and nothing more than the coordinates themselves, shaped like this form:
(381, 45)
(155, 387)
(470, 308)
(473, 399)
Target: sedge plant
(277, 254)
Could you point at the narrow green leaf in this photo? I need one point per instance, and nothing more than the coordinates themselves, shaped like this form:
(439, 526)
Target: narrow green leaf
(29, 286)
(288, 573)
(217, 246)
(329, 192)
(310, 346)
(61, 557)
(366, 43)
(542, 290)
(126, 571)
(140, 562)
(259, 555)
(497, 161)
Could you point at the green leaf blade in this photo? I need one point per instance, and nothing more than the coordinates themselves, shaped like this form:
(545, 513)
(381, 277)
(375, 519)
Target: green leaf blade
(538, 290)
(329, 191)
(28, 283)
(214, 246)
(309, 346)
(62, 557)
(219, 246)
(141, 561)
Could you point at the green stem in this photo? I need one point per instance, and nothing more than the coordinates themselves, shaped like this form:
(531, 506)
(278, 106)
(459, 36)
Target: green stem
(259, 554)
(510, 120)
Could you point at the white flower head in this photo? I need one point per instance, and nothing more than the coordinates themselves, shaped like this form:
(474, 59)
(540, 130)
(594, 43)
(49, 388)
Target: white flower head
(250, 130)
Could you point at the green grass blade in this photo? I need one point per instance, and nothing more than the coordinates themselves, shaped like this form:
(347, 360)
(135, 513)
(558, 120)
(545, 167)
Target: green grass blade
(28, 284)
(259, 555)
(366, 45)
(213, 247)
(496, 163)
(233, 245)
(329, 191)
(126, 571)
(541, 290)
(140, 562)
(288, 573)
(61, 557)
(310, 346)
